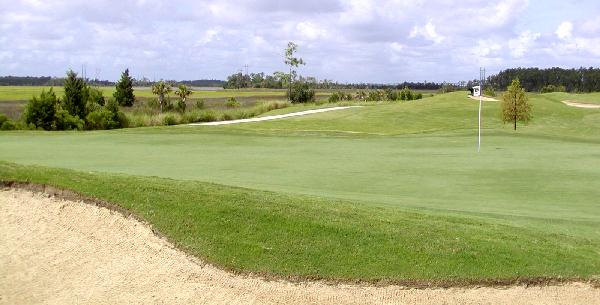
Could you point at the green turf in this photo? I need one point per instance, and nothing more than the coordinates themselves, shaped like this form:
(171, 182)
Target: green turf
(406, 158)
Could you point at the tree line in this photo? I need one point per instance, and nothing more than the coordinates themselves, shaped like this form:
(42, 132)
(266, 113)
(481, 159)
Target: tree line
(548, 80)
(60, 81)
(280, 80)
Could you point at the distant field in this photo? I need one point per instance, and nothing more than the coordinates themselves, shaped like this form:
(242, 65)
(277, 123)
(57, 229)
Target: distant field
(23, 93)
(391, 191)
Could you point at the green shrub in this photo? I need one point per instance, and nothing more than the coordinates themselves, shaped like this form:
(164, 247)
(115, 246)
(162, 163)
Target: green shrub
(446, 88)
(334, 98)
(170, 119)
(65, 121)
(180, 106)
(94, 96)
(3, 118)
(40, 111)
(418, 96)
(489, 91)
(374, 96)
(101, 119)
(553, 88)
(301, 93)
(199, 104)
(6, 123)
(232, 103)
(361, 95)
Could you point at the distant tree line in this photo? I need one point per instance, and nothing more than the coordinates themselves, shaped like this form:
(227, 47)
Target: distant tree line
(279, 80)
(60, 81)
(547, 80)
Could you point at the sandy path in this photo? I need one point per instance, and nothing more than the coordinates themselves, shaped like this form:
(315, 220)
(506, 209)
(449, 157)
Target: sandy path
(581, 105)
(483, 98)
(64, 252)
(273, 117)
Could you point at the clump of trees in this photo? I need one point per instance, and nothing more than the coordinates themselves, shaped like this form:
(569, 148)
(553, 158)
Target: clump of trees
(515, 106)
(81, 107)
(535, 79)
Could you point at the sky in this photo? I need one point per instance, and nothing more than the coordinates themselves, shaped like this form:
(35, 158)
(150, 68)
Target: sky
(376, 41)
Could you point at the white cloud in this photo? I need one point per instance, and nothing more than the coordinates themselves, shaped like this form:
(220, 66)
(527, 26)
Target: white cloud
(521, 45)
(564, 30)
(310, 31)
(427, 31)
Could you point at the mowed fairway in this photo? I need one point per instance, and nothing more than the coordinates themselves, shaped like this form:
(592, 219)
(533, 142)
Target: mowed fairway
(386, 192)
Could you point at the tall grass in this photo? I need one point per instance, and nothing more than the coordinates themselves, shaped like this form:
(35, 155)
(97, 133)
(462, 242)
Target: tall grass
(146, 117)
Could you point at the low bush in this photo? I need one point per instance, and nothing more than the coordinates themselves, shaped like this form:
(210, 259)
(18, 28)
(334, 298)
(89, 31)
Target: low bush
(553, 88)
(489, 91)
(170, 119)
(374, 96)
(199, 104)
(65, 121)
(301, 93)
(40, 110)
(361, 95)
(6, 123)
(180, 106)
(232, 103)
(101, 119)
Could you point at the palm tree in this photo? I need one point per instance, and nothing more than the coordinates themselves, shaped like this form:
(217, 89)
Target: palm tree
(161, 88)
(183, 92)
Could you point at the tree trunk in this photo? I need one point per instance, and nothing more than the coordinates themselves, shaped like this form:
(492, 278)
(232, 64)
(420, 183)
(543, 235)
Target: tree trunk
(161, 99)
(290, 86)
(515, 123)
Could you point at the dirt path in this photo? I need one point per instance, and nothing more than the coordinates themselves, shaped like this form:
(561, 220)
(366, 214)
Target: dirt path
(63, 252)
(483, 98)
(581, 105)
(273, 117)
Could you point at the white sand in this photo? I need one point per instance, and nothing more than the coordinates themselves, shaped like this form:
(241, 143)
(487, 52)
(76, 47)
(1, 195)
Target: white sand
(581, 105)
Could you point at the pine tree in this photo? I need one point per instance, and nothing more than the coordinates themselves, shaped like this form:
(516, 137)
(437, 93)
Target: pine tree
(75, 95)
(124, 90)
(515, 107)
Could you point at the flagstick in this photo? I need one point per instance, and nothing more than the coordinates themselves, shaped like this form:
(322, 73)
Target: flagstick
(479, 142)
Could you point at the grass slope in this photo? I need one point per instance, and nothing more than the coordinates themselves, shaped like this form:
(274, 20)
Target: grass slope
(391, 160)
(292, 235)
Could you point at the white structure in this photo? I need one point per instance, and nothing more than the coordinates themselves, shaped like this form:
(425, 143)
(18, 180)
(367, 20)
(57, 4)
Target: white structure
(477, 91)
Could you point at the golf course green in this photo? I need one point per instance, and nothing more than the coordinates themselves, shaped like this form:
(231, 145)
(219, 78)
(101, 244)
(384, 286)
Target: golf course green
(392, 191)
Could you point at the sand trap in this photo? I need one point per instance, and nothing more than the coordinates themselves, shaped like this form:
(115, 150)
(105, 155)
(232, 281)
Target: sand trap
(273, 117)
(484, 98)
(63, 252)
(581, 105)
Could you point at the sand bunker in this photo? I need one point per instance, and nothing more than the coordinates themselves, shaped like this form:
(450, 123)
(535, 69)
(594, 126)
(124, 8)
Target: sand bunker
(61, 252)
(581, 105)
(484, 98)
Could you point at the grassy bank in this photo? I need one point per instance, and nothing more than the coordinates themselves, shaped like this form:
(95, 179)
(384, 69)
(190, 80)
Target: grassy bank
(293, 235)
